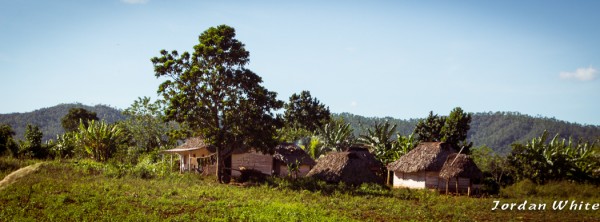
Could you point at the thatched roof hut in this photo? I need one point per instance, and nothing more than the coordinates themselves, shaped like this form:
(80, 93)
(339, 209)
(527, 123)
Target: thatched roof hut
(354, 166)
(427, 156)
(289, 153)
(460, 165)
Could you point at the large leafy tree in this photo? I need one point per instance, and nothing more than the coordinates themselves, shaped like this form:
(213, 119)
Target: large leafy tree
(145, 127)
(306, 112)
(32, 146)
(7, 143)
(451, 129)
(70, 122)
(455, 129)
(213, 92)
(430, 129)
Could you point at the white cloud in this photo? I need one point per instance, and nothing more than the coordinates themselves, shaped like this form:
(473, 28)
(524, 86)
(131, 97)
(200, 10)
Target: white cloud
(581, 74)
(354, 104)
(135, 1)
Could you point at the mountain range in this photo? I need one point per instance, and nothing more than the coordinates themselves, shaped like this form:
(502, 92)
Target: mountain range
(497, 130)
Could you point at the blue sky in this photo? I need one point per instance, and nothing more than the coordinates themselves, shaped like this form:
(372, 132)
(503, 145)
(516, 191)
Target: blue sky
(372, 58)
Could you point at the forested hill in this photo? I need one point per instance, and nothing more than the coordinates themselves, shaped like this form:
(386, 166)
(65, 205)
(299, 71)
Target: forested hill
(497, 130)
(48, 119)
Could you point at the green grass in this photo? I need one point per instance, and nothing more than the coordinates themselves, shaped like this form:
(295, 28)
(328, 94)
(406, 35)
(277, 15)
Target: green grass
(69, 191)
(9, 164)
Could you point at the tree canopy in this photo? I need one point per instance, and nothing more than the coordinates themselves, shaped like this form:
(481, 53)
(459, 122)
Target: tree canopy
(7, 143)
(452, 129)
(145, 126)
(456, 128)
(70, 122)
(212, 92)
(430, 129)
(306, 112)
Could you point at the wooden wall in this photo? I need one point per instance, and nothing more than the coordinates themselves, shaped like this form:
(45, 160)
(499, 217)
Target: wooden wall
(463, 185)
(252, 160)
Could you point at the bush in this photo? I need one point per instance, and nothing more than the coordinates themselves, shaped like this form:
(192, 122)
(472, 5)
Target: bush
(251, 175)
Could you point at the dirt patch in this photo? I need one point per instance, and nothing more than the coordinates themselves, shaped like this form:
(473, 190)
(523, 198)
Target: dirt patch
(17, 174)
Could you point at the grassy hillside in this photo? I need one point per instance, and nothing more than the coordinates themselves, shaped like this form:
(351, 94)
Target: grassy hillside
(48, 119)
(60, 191)
(497, 130)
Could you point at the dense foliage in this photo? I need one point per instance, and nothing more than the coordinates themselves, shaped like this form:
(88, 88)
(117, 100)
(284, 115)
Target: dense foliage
(451, 129)
(380, 139)
(213, 92)
(145, 127)
(8, 146)
(304, 111)
(559, 159)
(430, 128)
(70, 122)
(100, 139)
(336, 135)
(32, 146)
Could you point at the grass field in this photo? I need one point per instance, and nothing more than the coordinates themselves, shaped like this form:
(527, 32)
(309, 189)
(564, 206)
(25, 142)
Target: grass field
(65, 191)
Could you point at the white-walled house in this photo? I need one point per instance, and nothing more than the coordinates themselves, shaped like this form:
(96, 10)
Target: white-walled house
(422, 168)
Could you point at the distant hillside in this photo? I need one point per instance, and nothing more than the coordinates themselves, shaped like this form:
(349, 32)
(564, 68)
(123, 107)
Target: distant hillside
(48, 119)
(497, 130)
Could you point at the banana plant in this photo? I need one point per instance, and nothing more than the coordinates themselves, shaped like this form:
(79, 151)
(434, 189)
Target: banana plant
(99, 139)
(380, 138)
(336, 135)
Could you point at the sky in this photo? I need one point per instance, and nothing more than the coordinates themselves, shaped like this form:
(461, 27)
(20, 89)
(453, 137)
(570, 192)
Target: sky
(373, 58)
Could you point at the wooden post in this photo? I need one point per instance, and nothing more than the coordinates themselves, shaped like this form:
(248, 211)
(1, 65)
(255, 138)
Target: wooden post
(469, 189)
(447, 183)
(189, 163)
(457, 193)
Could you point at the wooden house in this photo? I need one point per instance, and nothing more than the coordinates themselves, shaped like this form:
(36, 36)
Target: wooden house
(197, 156)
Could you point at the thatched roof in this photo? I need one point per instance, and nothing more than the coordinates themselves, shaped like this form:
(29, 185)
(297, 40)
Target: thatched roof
(427, 156)
(460, 165)
(355, 166)
(196, 143)
(289, 153)
(190, 144)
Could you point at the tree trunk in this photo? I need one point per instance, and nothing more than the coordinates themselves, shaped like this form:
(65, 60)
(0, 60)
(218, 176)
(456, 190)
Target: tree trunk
(388, 178)
(219, 165)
